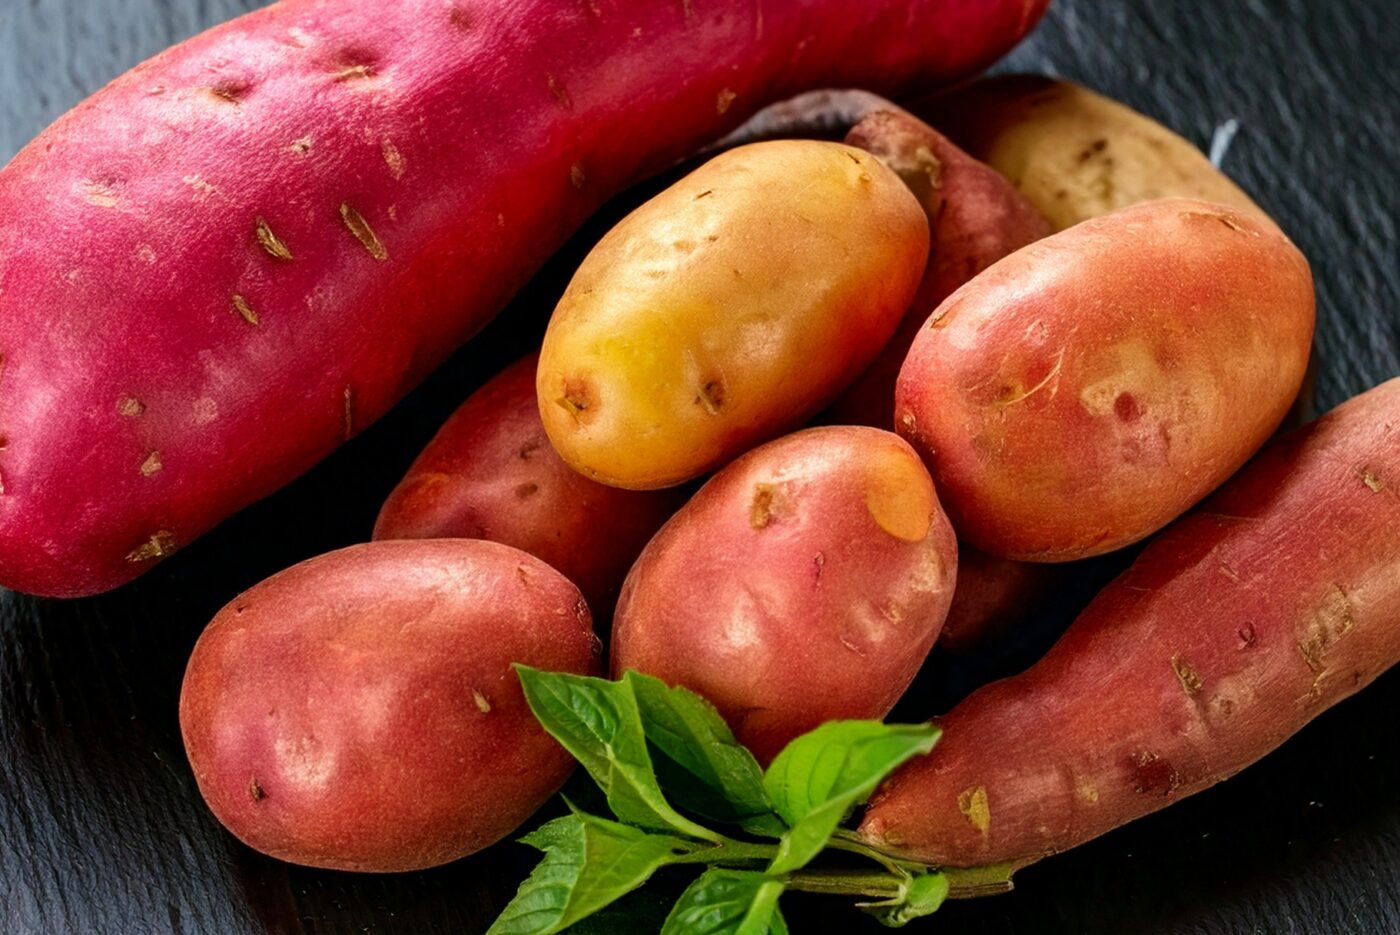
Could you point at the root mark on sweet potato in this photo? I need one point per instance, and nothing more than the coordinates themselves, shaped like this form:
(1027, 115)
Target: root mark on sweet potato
(357, 225)
(161, 544)
(271, 242)
(245, 310)
(976, 809)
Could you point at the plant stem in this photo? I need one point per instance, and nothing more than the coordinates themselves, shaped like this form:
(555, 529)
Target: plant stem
(729, 851)
(876, 884)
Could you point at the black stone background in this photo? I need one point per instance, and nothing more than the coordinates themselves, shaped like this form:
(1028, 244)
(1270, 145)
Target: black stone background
(102, 830)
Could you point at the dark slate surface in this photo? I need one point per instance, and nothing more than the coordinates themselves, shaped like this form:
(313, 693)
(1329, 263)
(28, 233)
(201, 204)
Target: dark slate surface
(101, 829)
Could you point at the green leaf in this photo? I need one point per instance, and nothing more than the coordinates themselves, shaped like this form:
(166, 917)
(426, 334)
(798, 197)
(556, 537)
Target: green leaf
(589, 862)
(599, 723)
(728, 902)
(700, 764)
(818, 778)
(922, 896)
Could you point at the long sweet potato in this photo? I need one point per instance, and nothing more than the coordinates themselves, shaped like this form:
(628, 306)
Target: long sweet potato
(244, 251)
(1277, 598)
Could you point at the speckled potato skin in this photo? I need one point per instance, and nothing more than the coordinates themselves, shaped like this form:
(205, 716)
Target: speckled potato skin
(1075, 154)
(804, 583)
(490, 473)
(728, 309)
(1088, 389)
(1277, 598)
(975, 218)
(359, 710)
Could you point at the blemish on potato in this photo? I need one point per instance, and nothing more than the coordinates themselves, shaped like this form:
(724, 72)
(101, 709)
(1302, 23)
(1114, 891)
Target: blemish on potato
(302, 146)
(1323, 629)
(761, 510)
(705, 194)
(99, 194)
(202, 189)
(130, 406)
(1152, 775)
(255, 790)
(1190, 679)
(358, 72)
(365, 234)
(1220, 218)
(151, 465)
(711, 397)
(1227, 570)
(1087, 792)
(577, 399)
(393, 159)
(526, 491)
(724, 100)
(688, 9)
(899, 494)
(458, 17)
(347, 425)
(230, 91)
(559, 92)
(1248, 636)
(523, 575)
(146, 254)
(527, 450)
(205, 410)
(1368, 478)
(161, 544)
(270, 242)
(483, 704)
(246, 311)
(577, 177)
(1127, 408)
(818, 566)
(975, 808)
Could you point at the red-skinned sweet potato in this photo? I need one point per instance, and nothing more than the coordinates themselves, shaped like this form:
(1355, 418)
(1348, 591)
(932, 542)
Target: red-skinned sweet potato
(490, 473)
(1274, 600)
(975, 217)
(359, 710)
(1088, 389)
(804, 583)
(245, 250)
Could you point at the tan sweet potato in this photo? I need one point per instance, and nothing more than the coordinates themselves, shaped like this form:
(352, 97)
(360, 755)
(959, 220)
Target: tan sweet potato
(1242, 622)
(359, 710)
(804, 583)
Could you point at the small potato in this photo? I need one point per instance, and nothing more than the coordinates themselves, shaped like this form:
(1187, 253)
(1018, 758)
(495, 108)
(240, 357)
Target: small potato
(804, 583)
(490, 473)
(359, 710)
(975, 218)
(1089, 388)
(1073, 153)
(728, 309)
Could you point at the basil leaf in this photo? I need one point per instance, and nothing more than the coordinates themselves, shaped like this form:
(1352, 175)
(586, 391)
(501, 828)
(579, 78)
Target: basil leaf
(589, 862)
(818, 778)
(598, 722)
(728, 902)
(922, 896)
(701, 764)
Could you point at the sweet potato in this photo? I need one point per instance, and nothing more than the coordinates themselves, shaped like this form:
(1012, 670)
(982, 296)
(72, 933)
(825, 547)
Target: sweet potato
(804, 583)
(1073, 153)
(1088, 389)
(728, 309)
(490, 473)
(1246, 619)
(243, 252)
(975, 218)
(359, 710)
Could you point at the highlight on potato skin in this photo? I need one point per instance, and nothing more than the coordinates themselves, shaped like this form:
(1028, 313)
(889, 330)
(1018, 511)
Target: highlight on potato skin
(804, 583)
(728, 309)
(1089, 388)
(359, 711)
(490, 473)
(1274, 600)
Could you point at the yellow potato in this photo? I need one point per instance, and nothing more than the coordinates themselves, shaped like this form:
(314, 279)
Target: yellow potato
(1075, 154)
(727, 310)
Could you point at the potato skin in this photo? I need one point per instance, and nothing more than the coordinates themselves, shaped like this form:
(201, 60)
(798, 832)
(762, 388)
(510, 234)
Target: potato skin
(1088, 389)
(1075, 154)
(805, 582)
(1246, 619)
(359, 711)
(975, 218)
(490, 473)
(728, 309)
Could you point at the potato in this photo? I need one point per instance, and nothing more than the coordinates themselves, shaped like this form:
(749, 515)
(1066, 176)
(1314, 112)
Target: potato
(359, 710)
(1246, 619)
(728, 309)
(804, 583)
(490, 473)
(1089, 388)
(975, 218)
(992, 596)
(1073, 153)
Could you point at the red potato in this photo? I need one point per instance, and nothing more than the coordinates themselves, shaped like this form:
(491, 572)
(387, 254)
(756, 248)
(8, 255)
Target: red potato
(490, 473)
(1276, 599)
(804, 583)
(975, 216)
(1091, 387)
(359, 710)
(992, 596)
(244, 251)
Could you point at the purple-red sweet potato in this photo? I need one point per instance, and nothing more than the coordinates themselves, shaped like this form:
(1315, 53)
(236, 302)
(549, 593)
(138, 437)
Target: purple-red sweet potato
(975, 218)
(359, 711)
(490, 473)
(245, 250)
(804, 583)
(1277, 598)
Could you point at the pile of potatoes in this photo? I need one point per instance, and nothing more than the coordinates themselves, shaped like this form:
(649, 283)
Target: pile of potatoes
(906, 369)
